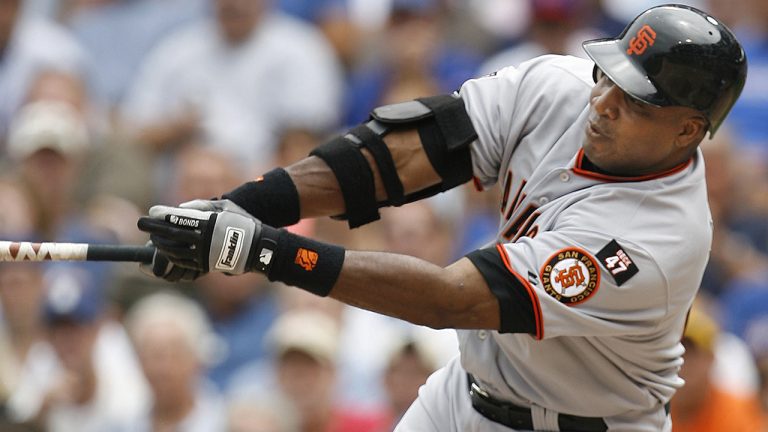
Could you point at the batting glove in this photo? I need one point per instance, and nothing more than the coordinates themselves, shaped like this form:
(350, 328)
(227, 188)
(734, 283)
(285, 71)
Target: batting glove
(163, 268)
(204, 236)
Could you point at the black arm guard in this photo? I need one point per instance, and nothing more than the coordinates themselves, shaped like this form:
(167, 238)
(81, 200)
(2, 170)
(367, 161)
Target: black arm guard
(445, 131)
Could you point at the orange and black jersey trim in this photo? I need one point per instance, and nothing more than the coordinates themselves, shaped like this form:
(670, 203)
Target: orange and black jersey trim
(585, 168)
(519, 308)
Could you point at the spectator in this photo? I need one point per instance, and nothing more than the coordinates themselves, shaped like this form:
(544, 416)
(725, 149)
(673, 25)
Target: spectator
(29, 45)
(422, 229)
(118, 34)
(241, 311)
(745, 310)
(66, 159)
(748, 115)
(17, 220)
(332, 18)
(110, 167)
(740, 229)
(557, 27)
(411, 362)
(21, 330)
(237, 79)
(306, 345)
(173, 340)
(200, 171)
(93, 383)
(412, 61)
(49, 141)
(700, 405)
(261, 413)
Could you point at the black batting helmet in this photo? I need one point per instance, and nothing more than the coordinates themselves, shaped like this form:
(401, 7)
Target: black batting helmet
(675, 55)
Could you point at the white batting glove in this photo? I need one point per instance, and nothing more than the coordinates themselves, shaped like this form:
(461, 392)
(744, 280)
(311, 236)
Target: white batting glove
(204, 235)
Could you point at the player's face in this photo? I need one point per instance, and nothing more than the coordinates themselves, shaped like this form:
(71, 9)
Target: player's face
(626, 136)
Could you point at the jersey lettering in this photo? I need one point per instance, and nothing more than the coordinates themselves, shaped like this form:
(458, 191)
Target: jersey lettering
(507, 186)
(522, 225)
(519, 197)
(517, 225)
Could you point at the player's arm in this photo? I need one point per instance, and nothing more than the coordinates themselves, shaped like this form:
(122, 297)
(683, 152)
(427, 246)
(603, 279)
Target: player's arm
(319, 190)
(427, 151)
(227, 239)
(417, 291)
(405, 152)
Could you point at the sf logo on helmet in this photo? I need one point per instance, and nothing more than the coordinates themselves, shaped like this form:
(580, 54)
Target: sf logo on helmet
(645, 38)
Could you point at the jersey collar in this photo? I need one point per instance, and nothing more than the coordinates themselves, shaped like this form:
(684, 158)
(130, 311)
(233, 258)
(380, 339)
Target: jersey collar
(584, 168)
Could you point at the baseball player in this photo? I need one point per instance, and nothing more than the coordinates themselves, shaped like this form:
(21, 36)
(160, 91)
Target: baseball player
(572, 320)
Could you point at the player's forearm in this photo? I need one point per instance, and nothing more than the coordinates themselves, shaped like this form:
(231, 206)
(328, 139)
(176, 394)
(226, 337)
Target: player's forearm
(417, 291)
(320, 193)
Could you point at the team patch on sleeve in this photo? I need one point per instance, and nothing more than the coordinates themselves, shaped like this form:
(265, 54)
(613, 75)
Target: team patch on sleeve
(571, 276)
(617, 262)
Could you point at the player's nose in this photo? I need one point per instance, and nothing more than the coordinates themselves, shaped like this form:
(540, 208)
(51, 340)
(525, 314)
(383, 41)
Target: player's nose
(605, 101)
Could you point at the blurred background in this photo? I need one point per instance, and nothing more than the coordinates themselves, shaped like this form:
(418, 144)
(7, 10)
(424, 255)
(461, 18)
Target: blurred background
(108, 106)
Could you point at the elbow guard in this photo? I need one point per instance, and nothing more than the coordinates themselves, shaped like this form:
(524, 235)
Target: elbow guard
(445, 131)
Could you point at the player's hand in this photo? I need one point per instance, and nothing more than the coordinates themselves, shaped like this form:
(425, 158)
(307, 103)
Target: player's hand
(204, 235)
(163, 268)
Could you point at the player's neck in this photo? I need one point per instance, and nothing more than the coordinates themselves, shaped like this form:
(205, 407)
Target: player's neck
(588, 165)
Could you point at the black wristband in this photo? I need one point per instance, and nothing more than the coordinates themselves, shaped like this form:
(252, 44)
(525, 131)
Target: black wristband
(298, 261)
(273, 198)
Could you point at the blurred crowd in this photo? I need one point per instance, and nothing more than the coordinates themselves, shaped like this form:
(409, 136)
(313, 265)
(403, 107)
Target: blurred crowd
(109, 106)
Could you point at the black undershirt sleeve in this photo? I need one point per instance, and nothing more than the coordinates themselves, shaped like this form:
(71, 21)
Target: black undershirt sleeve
(516, 310)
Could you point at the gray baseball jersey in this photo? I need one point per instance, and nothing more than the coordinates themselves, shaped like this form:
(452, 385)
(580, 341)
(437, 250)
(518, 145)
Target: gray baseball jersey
(594, 273)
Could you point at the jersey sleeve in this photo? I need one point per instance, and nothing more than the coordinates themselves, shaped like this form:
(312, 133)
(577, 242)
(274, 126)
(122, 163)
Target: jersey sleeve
(492, 117)
(574, 283)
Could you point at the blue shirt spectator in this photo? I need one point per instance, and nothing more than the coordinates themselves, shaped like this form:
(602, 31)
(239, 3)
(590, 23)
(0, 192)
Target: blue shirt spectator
(29, 46)
(747, 118)
(242, 337)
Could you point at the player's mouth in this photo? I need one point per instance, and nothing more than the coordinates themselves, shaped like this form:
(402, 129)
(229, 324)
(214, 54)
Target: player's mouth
(595, 131)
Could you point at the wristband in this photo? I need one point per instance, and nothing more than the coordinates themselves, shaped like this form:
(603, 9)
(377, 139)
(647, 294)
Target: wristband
(297, 261)
(273, 198)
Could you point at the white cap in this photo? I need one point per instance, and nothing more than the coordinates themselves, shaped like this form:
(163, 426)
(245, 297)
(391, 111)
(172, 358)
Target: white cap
(425, 345)
(47, 125)
(310, 332)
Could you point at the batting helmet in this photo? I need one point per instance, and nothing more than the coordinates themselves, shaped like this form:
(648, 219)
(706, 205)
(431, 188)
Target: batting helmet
(674, 55)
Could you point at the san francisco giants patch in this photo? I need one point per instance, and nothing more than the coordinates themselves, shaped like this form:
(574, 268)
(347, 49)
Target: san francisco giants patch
(617, 262)
(571, 276)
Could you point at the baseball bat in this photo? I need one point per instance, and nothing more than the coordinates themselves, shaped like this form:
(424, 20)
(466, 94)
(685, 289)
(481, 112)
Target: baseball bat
(49, 251)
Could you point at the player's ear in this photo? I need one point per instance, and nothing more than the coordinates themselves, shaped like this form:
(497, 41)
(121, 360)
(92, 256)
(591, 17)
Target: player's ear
(692, 130)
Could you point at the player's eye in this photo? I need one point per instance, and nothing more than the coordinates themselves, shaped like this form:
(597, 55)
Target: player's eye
(598, 74)
(634, 101)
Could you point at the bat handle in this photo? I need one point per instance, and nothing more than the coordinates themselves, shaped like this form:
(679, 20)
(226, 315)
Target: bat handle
(142, 254)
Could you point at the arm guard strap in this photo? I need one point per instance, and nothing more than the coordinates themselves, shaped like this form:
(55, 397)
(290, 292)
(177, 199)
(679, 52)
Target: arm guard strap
(445, 130)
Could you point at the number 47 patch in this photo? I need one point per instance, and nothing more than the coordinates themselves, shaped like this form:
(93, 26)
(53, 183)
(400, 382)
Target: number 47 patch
(617, 262)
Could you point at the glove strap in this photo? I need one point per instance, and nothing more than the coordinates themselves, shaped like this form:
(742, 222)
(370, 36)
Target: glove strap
(263, 251)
